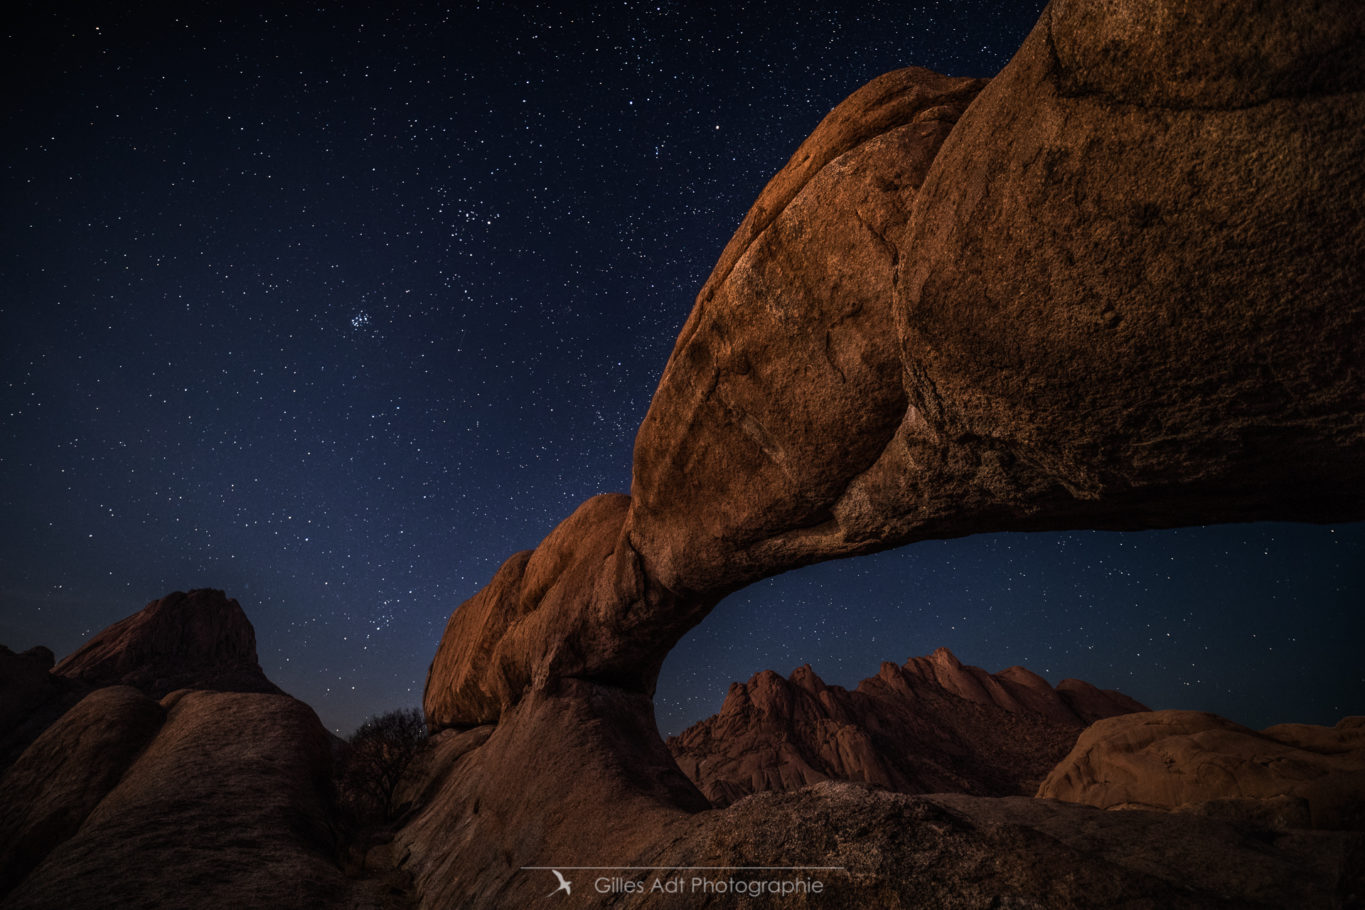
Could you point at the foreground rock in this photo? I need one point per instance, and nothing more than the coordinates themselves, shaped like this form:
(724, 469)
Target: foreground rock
(199, 640)
(930, 726)
(566, 781)
(904, 852)
(230, 788)
(1287, 776)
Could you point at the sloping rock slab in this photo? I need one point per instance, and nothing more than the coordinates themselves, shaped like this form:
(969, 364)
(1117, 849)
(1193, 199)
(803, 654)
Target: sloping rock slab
(225, 807)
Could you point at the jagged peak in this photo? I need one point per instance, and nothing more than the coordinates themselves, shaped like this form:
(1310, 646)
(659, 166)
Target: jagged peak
(945, 658)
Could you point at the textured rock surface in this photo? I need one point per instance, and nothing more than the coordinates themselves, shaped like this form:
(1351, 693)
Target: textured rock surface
(931, 726)
(62, 777)
(899, 852)
(199, 640)
(574, 775)
(1132, 297)
(790, 337)
(902, 852)
(1186, 759)
(785, 383)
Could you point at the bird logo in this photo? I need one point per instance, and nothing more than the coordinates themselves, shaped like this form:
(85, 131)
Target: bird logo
(564, 885)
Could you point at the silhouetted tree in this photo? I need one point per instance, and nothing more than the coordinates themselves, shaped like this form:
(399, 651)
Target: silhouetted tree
(377, 754)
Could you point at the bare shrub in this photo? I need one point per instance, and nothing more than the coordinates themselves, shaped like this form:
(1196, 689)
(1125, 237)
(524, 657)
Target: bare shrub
(373, 762)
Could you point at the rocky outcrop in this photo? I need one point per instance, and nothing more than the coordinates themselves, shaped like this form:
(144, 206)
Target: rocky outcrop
(930, 726)
(1290, 775)
(1017, 690)
(1117, 287)
(196, 798)
(25, 683)
(205, 799)
(575, 775)
(785, 384)
(564, 781)
(1127, 276)
(199, 640)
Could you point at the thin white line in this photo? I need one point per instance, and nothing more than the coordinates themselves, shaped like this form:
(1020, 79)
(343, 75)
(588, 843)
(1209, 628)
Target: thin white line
(687, 868)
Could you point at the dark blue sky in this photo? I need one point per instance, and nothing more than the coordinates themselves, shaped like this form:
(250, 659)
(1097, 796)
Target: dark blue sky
(336, 308)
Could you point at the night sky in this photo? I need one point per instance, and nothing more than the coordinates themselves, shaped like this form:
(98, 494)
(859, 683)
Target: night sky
(336, 308)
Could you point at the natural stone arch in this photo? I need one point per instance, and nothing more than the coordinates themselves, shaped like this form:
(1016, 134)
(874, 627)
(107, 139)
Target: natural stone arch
(1091, 294)
(1083, 311)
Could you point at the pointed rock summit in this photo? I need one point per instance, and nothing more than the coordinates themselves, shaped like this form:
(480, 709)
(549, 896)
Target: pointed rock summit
(934, 725)
(199, 640)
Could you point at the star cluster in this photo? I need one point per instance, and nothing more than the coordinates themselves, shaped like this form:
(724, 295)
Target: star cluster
(335, 307)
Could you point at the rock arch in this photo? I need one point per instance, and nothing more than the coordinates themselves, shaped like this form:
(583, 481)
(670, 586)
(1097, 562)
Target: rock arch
(1118, 286)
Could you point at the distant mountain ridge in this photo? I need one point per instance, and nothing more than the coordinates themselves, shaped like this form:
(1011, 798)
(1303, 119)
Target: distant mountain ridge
(931, 725)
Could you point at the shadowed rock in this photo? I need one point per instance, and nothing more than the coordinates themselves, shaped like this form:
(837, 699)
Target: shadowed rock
(225, 805)
(31, 698)
(199, 640)
(930, 726)
(903, 852)
(198, 799)
(26, 683)
(62, 777)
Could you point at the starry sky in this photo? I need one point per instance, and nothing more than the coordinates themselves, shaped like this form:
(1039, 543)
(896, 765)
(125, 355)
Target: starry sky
(335, 307)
